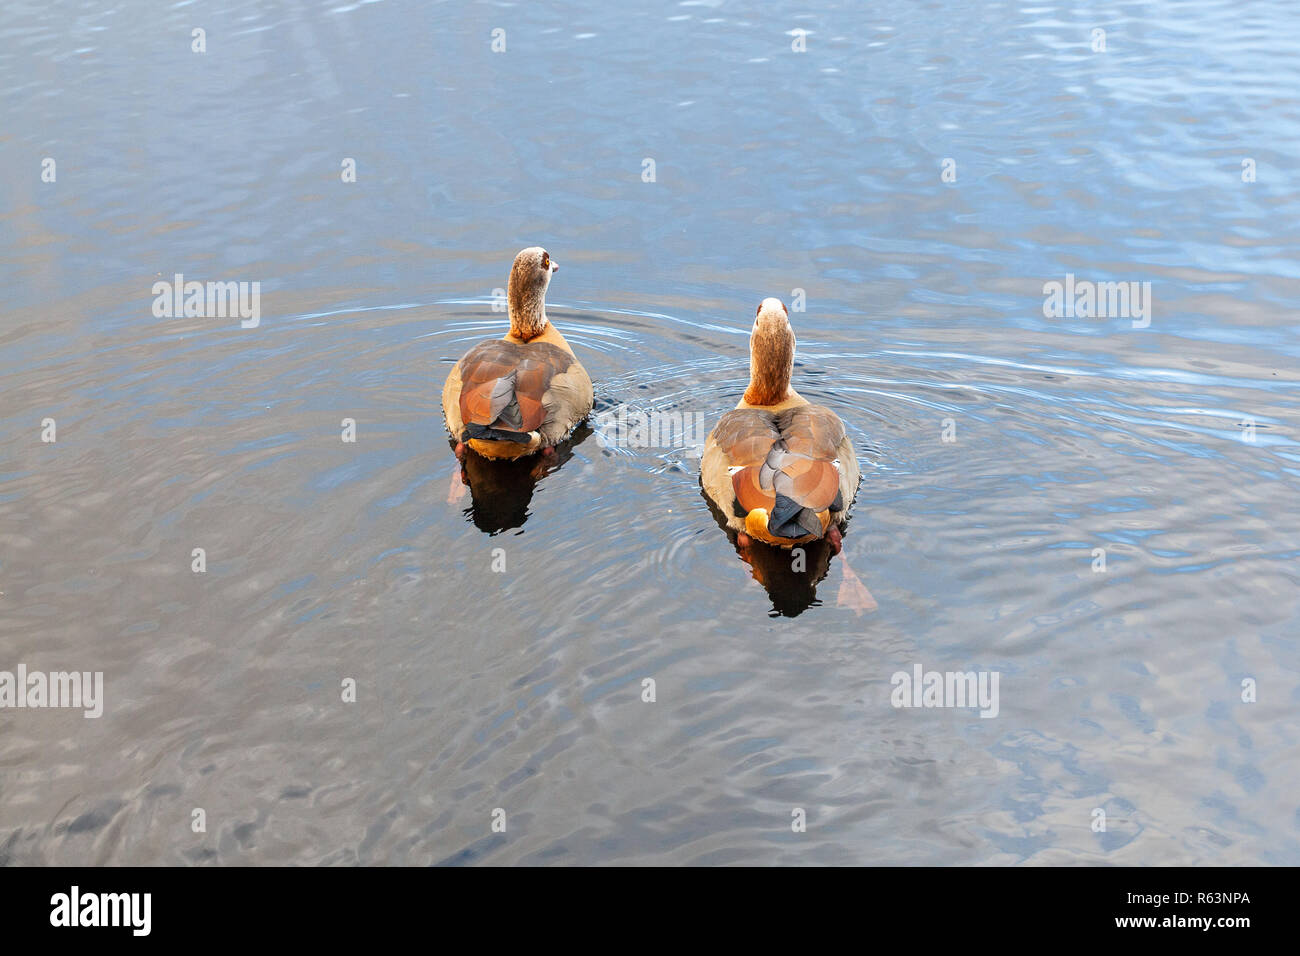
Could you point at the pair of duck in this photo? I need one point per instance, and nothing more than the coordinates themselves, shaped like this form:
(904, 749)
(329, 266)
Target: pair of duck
(779, 468)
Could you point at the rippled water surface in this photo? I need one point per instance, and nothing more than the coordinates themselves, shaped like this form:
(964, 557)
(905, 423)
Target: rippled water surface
(1000, 448)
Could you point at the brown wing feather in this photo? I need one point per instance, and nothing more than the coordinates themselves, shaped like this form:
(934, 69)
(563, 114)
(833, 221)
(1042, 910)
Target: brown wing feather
(811, 430)
(749, 492)
(804, 471)
(745, 435)
(568, 400)
(817, 488)
(533, 366)
(812, 433)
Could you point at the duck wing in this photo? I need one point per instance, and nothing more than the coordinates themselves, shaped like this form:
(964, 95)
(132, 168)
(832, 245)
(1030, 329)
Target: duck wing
(509, 390)
(784, 462)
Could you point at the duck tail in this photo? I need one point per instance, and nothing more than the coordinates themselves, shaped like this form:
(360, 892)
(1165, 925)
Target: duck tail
(789, 519)
(473, 430)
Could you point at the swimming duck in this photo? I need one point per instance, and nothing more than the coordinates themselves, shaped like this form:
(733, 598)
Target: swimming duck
(779, 468)
(523, 393)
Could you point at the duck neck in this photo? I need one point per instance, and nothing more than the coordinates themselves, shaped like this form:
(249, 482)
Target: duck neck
(769, 378)
(527, 311)
(763, 393)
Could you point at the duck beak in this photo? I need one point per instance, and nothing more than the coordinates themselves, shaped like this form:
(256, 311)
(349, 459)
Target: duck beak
(555, 266)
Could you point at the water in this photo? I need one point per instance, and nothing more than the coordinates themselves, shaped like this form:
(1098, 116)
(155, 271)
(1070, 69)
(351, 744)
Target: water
(774, 171)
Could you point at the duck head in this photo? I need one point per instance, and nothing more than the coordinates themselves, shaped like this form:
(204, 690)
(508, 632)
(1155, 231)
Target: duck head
(771, 354)
(529, 277)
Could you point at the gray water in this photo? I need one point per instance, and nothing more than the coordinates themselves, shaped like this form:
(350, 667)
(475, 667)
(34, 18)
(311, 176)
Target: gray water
(1001, 448)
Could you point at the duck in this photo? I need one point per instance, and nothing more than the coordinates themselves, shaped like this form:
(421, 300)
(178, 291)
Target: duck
(779, 469)
(523, 393)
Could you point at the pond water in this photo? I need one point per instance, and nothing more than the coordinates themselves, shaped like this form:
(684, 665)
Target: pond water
(1100, 510)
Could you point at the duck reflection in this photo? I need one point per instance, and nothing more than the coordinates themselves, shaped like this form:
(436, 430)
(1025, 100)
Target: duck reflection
(501, 489)
(791, 576)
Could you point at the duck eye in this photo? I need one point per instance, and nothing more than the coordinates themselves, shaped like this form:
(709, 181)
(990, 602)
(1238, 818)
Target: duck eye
(546, 260)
